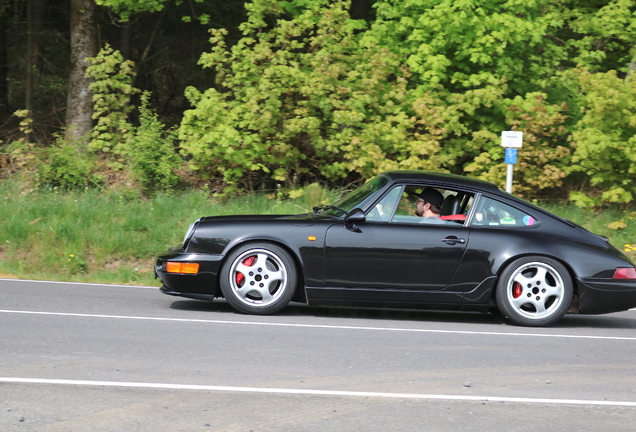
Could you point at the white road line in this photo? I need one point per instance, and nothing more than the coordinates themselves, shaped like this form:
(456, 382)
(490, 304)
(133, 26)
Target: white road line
(313, 392)
(81, 283)
(321, 326)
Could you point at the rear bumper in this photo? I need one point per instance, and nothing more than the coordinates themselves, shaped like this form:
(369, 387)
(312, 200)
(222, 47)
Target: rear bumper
(606, 296)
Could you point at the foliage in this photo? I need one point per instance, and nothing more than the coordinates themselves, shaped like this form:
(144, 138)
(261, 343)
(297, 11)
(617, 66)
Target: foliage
(498, 65)
(144, 153)
(153, 161)
(298, 100)
(545, 157)
(474, 43)
(300, 93)
(112, 90)
(62, 166)
(126, 8)
(140, 158)
(20, 155)
(605, 138)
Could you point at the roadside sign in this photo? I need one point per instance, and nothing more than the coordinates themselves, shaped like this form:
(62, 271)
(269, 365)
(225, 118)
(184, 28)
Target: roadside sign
(511, 156)
(512, 139)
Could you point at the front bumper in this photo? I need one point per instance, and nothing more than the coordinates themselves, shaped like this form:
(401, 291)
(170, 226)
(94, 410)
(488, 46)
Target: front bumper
(203, 285)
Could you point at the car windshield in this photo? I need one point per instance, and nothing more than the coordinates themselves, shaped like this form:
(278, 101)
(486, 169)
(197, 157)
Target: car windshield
(357, 198)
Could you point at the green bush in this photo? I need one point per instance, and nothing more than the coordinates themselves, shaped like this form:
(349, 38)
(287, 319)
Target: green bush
(143, 156)
(63, 166)
(605, 138)
(112, 90)
(150, 149)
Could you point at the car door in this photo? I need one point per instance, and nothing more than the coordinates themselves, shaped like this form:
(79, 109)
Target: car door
(393, 256)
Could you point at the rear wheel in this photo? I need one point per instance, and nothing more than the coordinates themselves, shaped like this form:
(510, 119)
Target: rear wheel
(258, 278)
(534, 291)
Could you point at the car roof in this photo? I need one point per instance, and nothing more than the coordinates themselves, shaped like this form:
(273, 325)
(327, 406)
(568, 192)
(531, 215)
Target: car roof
(442, 178)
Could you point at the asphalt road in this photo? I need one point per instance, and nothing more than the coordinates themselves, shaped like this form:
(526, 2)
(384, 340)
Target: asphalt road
(81, 357)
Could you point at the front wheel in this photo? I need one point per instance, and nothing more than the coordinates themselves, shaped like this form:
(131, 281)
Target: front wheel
(534, 291)
(258, 278)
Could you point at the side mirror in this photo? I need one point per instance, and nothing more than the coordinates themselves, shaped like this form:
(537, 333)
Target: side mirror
(355, 216)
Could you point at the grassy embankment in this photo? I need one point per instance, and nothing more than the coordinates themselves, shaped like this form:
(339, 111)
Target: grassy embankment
(108, 238)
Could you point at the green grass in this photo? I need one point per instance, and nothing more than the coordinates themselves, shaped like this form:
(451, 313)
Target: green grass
(108, 237)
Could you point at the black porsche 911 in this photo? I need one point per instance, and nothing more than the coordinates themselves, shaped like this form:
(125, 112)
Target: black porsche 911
(484, 250)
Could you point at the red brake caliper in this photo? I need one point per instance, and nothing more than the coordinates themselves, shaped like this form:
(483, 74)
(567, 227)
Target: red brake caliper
(248, 262)
(517, 290)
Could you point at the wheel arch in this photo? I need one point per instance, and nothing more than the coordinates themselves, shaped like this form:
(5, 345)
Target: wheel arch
(504, 265)
(299, 292)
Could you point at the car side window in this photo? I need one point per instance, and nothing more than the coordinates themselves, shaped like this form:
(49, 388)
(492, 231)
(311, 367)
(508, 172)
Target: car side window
(490, 212)
(383, 210)
(399, 206)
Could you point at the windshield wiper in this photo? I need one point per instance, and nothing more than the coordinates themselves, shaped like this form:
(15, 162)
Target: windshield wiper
(328, 207)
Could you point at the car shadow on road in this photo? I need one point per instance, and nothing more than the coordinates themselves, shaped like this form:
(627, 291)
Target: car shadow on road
(202, 306)
(620, 320)
(302, 310)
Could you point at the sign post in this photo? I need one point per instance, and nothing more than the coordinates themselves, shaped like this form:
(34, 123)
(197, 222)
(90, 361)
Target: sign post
(511, 141)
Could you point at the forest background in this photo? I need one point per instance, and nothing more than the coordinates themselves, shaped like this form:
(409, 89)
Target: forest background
(146, 98)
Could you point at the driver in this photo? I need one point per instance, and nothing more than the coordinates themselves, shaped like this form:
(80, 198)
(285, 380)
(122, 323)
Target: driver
(428, 206)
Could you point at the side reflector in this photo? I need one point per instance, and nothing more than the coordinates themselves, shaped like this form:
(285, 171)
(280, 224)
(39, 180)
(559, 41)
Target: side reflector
(182, 267)
(625, 273)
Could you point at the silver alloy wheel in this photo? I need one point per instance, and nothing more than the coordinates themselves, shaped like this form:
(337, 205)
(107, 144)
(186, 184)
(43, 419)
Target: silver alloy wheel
(535, 290)
(258, 277)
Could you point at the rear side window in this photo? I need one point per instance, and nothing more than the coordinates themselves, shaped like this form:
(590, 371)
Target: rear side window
(490, 212)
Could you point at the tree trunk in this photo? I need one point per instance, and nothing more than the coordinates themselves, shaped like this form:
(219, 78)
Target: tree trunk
(79, 105)
(361, 9)
(35, 11)
(4, 60)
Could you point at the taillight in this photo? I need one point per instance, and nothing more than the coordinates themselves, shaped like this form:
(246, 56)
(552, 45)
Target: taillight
(625, 273)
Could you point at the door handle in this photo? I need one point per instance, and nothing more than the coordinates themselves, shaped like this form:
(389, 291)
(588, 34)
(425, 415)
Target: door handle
(452, 240)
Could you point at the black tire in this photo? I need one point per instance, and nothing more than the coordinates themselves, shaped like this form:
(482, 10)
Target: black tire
(534, 291)
(258, 278)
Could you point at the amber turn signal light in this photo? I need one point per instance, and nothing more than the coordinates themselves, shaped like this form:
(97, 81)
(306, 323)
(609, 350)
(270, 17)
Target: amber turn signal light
(182, 267)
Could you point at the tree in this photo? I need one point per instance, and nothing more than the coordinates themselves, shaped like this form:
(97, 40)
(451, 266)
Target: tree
(298, 98)
(4, 58)
(484, 57)
(79, 107)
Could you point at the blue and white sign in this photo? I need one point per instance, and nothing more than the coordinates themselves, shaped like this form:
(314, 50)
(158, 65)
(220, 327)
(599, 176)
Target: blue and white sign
(511, 156)
(511, 140)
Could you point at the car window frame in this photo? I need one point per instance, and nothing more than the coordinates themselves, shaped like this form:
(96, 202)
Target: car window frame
(363, 203)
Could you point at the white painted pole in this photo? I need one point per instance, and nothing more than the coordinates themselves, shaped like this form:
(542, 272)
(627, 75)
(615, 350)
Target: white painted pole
(511, 141)
(509, 178)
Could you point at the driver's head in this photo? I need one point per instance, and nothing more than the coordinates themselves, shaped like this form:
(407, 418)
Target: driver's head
(431, 196)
